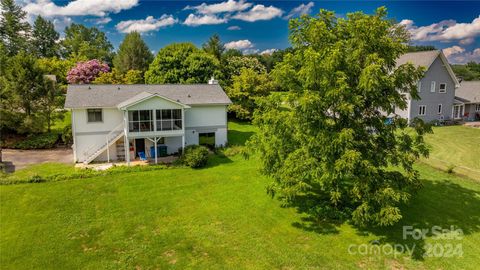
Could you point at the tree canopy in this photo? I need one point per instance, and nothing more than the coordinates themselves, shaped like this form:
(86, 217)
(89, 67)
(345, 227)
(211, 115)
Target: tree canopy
(90, 43)
(45, 38)
(327, 143)
(14, 30)
(181, 63)
(214, 46)
(133, 53)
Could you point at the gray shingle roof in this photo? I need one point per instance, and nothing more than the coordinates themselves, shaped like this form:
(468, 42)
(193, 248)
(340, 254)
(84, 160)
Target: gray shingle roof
(103, 95)
(469, 91)
(423, 59)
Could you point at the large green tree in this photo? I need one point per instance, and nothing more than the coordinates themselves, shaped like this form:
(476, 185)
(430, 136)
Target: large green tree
(233, 65)
(45, 38)
(23, 89)
(327, 144)
(214, 46)
(246, 88)
(133, 54)
(182, 63)
(14, 30)
(90, 43)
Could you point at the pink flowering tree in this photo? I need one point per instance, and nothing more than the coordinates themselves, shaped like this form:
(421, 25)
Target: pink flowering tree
(86, 72)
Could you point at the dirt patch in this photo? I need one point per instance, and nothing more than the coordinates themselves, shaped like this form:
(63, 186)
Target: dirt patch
(19, 159)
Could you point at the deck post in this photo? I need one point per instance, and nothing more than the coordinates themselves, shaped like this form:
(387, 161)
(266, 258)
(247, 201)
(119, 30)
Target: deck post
(156, 154)
(183, 143)
(108, 151)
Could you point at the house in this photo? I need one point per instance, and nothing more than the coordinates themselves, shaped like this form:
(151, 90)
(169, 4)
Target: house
(467, 101)
(123, 122)
(436, 89)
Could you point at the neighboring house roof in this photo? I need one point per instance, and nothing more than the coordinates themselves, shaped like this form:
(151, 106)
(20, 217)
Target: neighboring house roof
(468, 92)
(111, 95)
(426, 59)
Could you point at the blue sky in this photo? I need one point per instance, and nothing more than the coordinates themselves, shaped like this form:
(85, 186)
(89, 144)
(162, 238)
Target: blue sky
(258, 26)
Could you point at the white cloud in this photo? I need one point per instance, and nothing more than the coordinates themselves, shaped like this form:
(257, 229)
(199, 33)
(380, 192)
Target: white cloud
(228, 6)
(243, 44)
(149, 24)
(453, 50)
(467, 41)
(234, 28)
(269, 51)
(103, 20)
(101, 8)
(259, 12)
(458, 55)
(196, 20)
(447, 30)
(300, 10)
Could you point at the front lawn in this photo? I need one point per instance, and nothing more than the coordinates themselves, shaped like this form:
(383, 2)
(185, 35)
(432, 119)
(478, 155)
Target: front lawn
(217, 217)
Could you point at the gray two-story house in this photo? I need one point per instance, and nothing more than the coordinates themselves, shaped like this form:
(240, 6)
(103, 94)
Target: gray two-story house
(436, 89)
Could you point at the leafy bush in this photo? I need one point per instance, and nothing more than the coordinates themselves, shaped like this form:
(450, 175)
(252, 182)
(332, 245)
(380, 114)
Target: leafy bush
(195, 156)
(40, 141)
(36, 179)
(67, 136)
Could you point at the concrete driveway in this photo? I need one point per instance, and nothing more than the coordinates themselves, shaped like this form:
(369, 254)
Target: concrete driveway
(19, 159)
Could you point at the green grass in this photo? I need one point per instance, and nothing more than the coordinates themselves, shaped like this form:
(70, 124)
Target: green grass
(457, 147)
(217, 217)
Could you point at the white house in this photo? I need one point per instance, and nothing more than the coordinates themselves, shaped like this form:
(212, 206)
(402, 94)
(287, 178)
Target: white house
(122, 122)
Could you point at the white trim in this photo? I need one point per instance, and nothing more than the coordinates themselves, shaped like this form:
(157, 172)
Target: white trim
(461, 111)
(433, 86)
(74, 135)
(449, 69)
(440, 88)
(420, 110)
(123, 106)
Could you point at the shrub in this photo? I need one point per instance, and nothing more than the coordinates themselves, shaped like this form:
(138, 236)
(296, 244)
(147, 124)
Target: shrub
(67, 136)
(36, 179)
(195, 156)
(40, 141)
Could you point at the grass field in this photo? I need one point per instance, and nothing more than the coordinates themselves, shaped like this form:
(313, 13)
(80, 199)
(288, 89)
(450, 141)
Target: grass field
(217, 217)
(456, 147)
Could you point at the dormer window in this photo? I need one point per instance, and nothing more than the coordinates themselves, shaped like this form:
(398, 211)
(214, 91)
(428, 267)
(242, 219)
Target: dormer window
(442, 88)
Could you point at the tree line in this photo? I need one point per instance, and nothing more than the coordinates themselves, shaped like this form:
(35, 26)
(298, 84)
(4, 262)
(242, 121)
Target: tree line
(30, 101)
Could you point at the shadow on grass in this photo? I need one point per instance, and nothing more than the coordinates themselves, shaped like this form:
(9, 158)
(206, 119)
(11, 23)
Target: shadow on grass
(439, 203)
(236, 137)
(217, 159)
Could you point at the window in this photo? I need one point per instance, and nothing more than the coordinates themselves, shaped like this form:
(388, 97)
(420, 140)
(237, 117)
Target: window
(422, 110)
(169, 119)
(432, 86)
(94, 115)
(442, 88)
(439, 108)
(477, 107)
(419, 86)
(140, 121)
(458, 111)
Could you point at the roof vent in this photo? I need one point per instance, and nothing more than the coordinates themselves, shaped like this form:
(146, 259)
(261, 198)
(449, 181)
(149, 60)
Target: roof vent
(212, 81)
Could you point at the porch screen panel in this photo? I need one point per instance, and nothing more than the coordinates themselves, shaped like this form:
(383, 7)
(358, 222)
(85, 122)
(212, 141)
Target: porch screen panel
(140, 121)
(169, 119)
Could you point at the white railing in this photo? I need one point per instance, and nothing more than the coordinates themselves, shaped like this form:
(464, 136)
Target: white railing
(95, 149)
